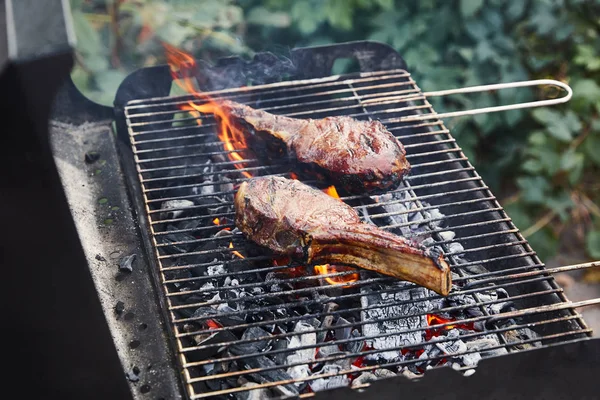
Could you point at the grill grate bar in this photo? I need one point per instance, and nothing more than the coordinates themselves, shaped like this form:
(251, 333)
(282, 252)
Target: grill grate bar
(325, 289)
(318, 83)
(239, 181)
(265, 167)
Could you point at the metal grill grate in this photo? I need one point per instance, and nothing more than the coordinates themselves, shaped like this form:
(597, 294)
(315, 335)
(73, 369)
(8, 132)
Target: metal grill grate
(219, 288)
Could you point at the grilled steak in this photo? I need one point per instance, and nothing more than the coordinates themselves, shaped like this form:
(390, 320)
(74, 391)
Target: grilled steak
(359, 156)
(294, 219)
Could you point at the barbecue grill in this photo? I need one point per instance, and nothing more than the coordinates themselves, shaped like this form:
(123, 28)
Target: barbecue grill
(195, 310)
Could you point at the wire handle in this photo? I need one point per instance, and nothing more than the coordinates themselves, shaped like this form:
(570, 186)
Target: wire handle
(497, 86)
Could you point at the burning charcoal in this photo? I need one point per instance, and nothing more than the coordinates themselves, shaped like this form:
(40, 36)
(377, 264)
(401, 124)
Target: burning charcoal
(330, 382)
(252, 394)
(447, 235)
(408, 373)
(273, 375)
(175, 237)
(480, 344)
(218, 315)
(394, 314)
(363, 378)
(218, 384)
(218, 269)
(343, 332)
(126, 263)
(471, 359)
(174, 204)
(451, 347)
(280, 344)
(328, 351)
(355, 346)
(327, 320)
(301, 355)
(382, 373)
(522, 334)
(252, 333)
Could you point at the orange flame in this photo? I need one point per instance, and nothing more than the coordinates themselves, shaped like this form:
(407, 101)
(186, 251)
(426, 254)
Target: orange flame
(433, 320)
(235, 252)
(183, 70)
(336, 280)
(216, 221)
(331, 190)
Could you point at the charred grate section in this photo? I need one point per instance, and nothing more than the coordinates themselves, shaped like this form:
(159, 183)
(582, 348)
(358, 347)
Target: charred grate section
(249, 325)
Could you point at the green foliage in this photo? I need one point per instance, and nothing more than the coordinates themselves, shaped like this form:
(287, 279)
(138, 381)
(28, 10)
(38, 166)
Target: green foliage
(544, 161)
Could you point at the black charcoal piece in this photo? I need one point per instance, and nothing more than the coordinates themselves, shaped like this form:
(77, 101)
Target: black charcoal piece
(252, 333)
(91, 157)
(126, 263)
(175, 241)
(342, 332)
(119, 307)
(273, 375)
(100, 258)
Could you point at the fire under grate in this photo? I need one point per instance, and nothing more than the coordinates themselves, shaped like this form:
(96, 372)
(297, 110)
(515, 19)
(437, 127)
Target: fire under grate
(250, 325)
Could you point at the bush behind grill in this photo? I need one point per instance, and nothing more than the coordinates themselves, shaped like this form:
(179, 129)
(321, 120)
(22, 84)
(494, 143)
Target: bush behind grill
(543, 163)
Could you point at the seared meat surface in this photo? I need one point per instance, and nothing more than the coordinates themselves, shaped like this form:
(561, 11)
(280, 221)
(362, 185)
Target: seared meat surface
(294, 219)
(360, 156)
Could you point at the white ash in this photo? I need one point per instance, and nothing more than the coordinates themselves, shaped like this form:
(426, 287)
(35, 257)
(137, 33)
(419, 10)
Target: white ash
(252, 394)
(484, 344)
(301, 355)
(330, 382)
(170, 204)
(395, 314)
(215, 269)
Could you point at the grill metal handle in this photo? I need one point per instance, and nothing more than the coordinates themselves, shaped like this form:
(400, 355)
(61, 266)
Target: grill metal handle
(497, 86)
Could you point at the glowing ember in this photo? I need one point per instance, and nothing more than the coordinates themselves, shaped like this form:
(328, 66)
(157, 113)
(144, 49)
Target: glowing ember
(216, 221)
(433, 320)
(293, 176)
(183, 68)
(236, 253)
(212, 324)
(336, 280)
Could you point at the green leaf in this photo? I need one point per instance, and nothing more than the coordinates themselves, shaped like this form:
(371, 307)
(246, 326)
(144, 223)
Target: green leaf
(469, 8)
(587, 56)
(591, 146)
(572, 162)
(593, 244)
(515, 9)
(262, 16)
(561, 203)
(534, 189)
(556, 124)
(305, 18)
(532, 166)
(587, 90)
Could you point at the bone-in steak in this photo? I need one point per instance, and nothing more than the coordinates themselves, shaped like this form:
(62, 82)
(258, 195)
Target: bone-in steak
(294, 219)
(359, 156)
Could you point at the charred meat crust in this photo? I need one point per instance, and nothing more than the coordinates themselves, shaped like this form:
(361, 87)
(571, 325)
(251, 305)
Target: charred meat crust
(294, 219)
(359, 156)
